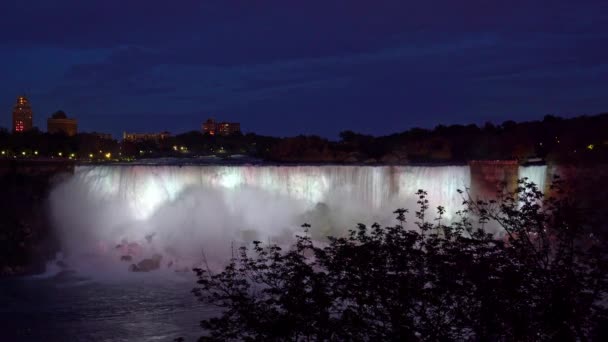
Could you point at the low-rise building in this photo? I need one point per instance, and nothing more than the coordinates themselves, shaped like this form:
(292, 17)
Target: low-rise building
(60, 123)
(212, 127)
(228, 128)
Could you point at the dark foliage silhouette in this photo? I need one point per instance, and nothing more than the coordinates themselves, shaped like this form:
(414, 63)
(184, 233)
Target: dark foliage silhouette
(426, 280)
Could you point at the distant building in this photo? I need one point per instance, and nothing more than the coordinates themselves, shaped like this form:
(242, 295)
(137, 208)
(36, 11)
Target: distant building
(212, 127)
(60, 123)
(209, 127)
(137, 137)
(22, 115)
(229, 128)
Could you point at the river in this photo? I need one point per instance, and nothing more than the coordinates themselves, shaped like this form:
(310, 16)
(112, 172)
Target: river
(75, 309)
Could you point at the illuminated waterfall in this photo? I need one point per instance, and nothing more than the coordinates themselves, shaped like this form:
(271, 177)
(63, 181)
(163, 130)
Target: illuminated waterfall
(179, 209)
(536, 174)
(144, 189)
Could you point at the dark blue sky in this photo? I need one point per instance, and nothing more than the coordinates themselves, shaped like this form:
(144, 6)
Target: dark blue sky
(314, 67)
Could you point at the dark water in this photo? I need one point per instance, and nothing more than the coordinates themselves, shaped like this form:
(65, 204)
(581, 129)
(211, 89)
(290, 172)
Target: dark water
(71, 309)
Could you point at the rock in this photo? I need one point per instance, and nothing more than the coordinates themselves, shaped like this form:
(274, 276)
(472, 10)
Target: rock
(149, 237)
(147, 265)
(126, 258)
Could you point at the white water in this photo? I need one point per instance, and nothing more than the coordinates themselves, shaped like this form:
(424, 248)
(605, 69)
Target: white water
(536, 174)
(183, 209)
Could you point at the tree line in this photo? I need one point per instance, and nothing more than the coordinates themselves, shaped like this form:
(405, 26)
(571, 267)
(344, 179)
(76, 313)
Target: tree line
(579, 139)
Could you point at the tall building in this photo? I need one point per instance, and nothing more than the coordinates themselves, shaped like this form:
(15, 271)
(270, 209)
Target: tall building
(60, 123)
(136, 137)
(22, 115)
(212, 127)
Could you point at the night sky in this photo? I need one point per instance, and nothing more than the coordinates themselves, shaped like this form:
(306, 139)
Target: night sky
(312, 67)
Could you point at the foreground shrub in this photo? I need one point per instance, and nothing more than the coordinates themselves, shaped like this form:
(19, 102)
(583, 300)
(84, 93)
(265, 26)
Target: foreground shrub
(543, 280)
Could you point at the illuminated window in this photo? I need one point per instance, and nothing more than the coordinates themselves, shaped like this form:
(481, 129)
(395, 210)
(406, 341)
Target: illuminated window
(19, 127)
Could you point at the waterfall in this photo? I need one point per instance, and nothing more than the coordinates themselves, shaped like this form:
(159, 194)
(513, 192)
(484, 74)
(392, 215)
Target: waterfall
(536, 174)
(145, 189)
(176, 210)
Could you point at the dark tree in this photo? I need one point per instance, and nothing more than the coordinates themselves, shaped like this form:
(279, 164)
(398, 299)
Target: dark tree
(544, 280)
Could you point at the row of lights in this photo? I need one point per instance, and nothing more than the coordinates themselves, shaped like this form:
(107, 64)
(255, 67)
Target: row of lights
(60, 154)
(181, 148)
(184, 149)
(23, 153)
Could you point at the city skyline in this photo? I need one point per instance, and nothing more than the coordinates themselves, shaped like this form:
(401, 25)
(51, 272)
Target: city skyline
(316, 68)
(59, 122)
(22, 121)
